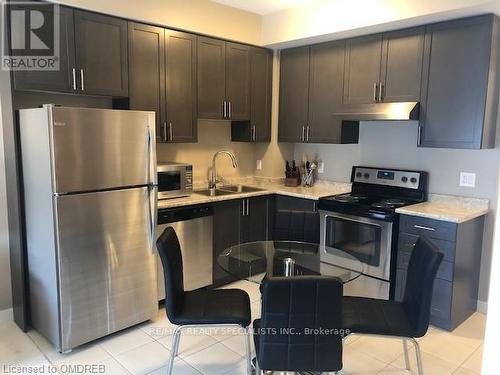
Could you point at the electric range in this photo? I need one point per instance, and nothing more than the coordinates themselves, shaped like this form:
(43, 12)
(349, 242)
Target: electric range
(364, 223)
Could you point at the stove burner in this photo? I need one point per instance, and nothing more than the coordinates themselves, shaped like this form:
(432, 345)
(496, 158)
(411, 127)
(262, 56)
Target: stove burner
(349, 198)
(389, 203)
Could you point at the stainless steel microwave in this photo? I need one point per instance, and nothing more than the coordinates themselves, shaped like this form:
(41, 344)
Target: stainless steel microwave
(174, 180)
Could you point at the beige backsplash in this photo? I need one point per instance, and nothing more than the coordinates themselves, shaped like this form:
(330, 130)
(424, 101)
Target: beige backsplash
(213, 136)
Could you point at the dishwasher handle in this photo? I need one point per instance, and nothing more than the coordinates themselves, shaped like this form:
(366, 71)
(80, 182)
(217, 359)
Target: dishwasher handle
(172, 215)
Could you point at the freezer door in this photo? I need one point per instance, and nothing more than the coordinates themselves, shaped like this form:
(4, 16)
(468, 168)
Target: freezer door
(95, 149)
(107, 275)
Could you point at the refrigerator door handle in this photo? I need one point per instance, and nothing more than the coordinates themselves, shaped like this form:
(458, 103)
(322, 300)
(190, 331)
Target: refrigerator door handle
(152, 156)
(153, 209)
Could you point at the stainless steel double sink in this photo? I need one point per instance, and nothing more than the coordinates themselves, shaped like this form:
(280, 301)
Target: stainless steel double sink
(228, 190)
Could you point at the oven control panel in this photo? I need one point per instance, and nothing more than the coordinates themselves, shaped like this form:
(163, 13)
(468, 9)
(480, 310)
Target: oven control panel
(388, 177)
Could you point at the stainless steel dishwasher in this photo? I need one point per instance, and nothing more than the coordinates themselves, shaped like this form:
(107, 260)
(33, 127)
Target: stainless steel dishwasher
(194, 228)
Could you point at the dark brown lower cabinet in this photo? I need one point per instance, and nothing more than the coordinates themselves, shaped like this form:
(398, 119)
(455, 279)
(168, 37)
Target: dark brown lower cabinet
(237, 221)
(455, 291)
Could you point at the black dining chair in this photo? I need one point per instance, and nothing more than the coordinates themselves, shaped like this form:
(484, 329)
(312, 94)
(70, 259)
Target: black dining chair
(290, 225)
(290, 307)
(202, 307)
(408, 319)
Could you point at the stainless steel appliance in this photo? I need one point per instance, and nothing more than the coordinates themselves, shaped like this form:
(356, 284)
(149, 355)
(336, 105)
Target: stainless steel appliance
(174, 180)
(194, 227)
(364, 223)
(90, 210)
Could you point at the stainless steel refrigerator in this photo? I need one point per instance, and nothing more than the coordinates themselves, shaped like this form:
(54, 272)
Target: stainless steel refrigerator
(89, 179)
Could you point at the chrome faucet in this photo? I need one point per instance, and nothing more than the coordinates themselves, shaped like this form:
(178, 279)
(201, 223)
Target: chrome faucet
(212, 184)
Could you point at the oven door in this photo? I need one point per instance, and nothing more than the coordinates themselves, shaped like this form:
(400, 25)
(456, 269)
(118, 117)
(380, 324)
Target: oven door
(171, 183)
(367, 239)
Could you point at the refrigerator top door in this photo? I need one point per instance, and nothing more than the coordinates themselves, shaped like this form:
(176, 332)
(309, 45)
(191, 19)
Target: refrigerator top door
(98, 149)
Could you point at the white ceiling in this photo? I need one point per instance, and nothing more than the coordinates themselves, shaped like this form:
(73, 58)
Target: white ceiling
(262, 7)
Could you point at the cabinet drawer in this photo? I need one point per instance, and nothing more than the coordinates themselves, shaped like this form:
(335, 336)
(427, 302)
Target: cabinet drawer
(407, 242)
(441, 299)
(445, 270)
(429, 228)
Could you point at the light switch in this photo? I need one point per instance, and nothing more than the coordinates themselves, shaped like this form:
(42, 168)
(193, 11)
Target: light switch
(467, 179)
(259, 165)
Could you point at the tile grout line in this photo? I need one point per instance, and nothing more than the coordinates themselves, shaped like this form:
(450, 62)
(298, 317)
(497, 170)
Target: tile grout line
(469, 357)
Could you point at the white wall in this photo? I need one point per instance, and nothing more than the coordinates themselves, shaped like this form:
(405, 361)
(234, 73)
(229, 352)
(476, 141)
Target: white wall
(202, 16)
(491, 361)
(5, 290)
(320, 20)
(393, 144)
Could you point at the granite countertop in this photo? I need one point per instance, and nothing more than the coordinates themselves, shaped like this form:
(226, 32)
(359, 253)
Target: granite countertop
(268, 186)
(448, 208)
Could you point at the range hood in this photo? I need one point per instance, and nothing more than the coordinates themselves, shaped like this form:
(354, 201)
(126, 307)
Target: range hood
(400, 111)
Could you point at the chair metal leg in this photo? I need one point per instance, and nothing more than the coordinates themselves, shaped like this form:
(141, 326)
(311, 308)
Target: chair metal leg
(419, 356)
(248, 351)
(175, 348)
(405, 352)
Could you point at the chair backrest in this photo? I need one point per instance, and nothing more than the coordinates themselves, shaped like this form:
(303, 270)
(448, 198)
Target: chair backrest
(422, 269)
(290, 307)
(169, 250)
(292, 225)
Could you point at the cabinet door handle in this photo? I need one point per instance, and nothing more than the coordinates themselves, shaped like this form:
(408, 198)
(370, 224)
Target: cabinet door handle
(229, 109)
(171, 131)
(308, 133)
(82, 80)
(380, 91)
(224, 109)
(248, 207)
(165, 132)
(242, 207)
(254, 133)
(303, 134)
(375, 91)
(424, 228)
(419, 135)
(74, 78)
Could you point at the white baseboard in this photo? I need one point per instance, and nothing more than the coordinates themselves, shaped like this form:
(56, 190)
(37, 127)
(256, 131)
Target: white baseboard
(6, 315)
(482, 307)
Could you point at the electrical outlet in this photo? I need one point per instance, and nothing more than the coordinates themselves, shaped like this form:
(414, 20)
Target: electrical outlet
(467, 179)
(321, 167)
(259, 165)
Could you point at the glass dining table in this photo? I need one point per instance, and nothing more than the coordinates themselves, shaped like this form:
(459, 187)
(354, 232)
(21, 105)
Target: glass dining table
(253, 261)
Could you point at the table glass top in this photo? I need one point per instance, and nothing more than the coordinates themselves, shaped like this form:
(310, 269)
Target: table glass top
(253, 260)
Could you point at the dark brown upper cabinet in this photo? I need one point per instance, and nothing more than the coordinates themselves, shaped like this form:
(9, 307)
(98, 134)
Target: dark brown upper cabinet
(147, 72)
(61, 80)
(384, 67)
(402, 61)
(258, 129)
(93, 57)
(211, 78)
(223, 80)
(261, 73)
(310, 92)
(294, 94)
(181, 82)
(162, 73)
(362, 69)
(460, 86)
(325, 92)
(101, 54)
(238, 81)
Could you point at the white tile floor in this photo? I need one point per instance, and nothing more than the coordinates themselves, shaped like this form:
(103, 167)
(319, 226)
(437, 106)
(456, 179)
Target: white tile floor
(145, 349)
